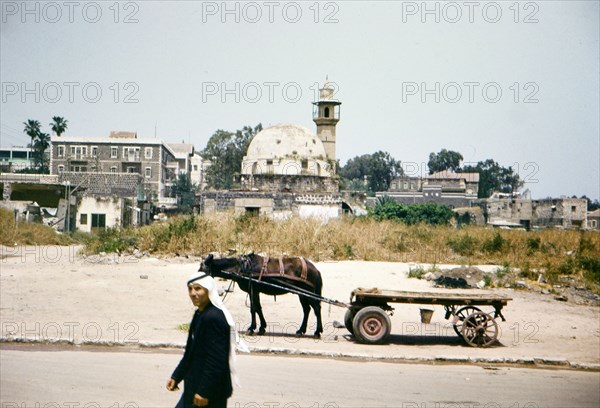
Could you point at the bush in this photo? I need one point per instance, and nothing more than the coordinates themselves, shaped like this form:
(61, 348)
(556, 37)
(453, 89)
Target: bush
(430, 213)
(113, 240)
(417, 272)
(496, 244)
(533, 244)
(591, 268)
(464, 245)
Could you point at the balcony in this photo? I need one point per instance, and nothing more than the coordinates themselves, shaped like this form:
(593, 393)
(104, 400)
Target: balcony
(132, 158)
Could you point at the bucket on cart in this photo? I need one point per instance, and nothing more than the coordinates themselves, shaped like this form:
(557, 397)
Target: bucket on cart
(426, 315)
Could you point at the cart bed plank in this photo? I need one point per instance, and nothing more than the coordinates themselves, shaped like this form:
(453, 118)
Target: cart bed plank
(397, 296)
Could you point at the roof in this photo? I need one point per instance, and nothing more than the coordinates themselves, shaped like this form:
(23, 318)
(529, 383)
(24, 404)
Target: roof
(285, 140)
(17, 148)
(449, 175)
(595, 213)
(182, 150)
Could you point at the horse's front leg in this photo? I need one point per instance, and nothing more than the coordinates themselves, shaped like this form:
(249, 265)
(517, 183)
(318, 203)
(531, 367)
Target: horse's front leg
(258, 309)
(252, 327)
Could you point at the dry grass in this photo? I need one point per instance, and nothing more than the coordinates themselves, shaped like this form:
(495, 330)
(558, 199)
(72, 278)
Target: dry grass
(23, 233)
(553, 252)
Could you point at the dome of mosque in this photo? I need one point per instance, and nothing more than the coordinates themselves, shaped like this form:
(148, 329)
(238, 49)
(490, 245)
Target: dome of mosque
(284, 141)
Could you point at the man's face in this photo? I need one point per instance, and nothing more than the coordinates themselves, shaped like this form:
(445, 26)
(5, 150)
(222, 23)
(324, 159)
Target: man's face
(198, 295)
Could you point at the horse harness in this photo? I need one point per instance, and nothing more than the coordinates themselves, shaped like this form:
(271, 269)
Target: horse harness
(264, 272)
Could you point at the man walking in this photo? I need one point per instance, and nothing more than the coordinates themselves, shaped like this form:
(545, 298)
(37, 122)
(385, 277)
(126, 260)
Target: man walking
(208, 363)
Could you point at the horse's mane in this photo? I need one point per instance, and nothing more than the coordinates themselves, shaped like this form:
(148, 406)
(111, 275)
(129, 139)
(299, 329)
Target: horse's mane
(224, 263)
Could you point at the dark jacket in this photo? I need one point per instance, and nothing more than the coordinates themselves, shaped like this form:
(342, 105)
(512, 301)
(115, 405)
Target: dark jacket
(204, 367)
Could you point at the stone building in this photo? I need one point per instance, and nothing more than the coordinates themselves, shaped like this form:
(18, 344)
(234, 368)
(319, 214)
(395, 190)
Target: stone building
(445, 187)
(116, 181)
(288, 170)
(548, 212)
(594, 219)
(123, 152)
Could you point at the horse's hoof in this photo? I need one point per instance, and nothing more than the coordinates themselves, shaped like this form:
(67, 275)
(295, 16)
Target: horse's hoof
(317, 335)
(299, 333)
(249, 332)
(261, 332)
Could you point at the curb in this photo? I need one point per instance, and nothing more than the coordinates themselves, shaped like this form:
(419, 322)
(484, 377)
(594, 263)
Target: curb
(534, 362)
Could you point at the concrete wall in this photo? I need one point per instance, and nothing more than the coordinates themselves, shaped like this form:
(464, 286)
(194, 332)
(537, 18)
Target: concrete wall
(323, 212)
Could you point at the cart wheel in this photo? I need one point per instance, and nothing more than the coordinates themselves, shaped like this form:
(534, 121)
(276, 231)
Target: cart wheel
(348, 317)
(480, 329)
(460, 316)
(371, 325)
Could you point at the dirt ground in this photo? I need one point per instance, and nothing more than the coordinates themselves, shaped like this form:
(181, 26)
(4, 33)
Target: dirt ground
(51, 293)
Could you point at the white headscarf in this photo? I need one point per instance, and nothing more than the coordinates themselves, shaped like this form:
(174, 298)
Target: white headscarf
(207, 282)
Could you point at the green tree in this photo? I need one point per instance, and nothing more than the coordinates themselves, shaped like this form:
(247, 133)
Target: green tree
(58, 125)
(226, 150)
(185, 191)
(40, 145)
(444, 160)
(591, 204)
(493, 177)
(32, 129)
(380, 168)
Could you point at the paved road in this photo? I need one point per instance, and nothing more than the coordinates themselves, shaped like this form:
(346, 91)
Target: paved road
(44, 377)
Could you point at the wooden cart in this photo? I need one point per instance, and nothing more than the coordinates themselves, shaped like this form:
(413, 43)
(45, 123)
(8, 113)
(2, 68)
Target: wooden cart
(367, 315)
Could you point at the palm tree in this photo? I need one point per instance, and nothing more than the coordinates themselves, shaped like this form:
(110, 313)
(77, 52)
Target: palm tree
(41, 145)
(59, 125)
(32, 129)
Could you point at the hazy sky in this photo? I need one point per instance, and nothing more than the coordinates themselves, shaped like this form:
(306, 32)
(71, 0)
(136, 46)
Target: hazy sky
(514, 81)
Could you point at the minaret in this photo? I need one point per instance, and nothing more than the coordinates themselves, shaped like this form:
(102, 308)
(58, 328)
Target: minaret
(326, 115)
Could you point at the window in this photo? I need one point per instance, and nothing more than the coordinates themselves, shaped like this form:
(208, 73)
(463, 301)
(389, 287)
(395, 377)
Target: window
(131, 153)
(195, 167)
(132, 170)
(83, 219)
(94, 151)
(61, 151)
(61, 168)
(114, 152)
(98, 221)
(253, 211)
(269, 162)
(148, 152)
(79, 151)
(304, 164)
(113, 169)
(573, 208)
(148, 172)
(326, 112)
(78, 169)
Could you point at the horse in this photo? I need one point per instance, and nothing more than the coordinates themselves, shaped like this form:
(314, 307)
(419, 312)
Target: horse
(292, 273)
